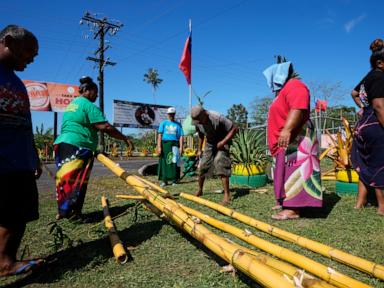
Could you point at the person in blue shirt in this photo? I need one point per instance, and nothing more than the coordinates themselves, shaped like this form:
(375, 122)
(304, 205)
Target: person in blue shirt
(169, 148)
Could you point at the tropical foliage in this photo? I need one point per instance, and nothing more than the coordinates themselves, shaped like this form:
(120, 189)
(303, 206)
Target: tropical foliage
(44, 142)
(248, 149)
(340, 153)
(152, 77)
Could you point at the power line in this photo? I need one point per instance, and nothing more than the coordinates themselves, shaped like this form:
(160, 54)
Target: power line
(101, 27)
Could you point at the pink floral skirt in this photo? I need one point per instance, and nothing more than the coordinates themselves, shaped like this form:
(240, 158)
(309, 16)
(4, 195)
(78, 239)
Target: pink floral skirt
(297, 177)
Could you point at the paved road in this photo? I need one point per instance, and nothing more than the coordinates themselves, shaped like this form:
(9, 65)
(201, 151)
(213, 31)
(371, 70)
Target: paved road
(46, 183)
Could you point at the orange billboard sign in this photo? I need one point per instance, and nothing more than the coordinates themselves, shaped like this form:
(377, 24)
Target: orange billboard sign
(47, 96)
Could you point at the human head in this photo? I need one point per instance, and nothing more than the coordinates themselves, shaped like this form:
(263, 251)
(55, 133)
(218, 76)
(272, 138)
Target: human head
(18, 47)
(377, 57)
(199, 115)
(171, 113)
(88, 88)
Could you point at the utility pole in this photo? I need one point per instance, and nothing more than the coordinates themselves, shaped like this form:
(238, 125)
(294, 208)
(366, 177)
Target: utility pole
(101, 27)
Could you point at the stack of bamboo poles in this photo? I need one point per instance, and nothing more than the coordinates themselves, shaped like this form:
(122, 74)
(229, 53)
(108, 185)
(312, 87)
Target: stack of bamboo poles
(264, 269)
(374, 269)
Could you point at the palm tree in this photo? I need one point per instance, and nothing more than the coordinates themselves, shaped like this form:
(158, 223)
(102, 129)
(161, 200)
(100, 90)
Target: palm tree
(152, 77)
(43, 141)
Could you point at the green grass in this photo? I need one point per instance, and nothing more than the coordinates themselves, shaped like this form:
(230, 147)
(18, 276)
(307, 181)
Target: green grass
(163, 256)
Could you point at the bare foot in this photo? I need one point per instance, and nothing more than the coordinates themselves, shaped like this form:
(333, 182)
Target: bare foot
(380, 212)
(199, 193)
(277, 207)
(360, 205)
(286, 215)
(225, 202)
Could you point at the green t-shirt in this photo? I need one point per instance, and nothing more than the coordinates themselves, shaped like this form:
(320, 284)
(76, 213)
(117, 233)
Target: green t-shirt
(77, 128)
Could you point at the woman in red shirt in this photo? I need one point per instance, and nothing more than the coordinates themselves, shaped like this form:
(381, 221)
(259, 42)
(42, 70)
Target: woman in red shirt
(293, 143)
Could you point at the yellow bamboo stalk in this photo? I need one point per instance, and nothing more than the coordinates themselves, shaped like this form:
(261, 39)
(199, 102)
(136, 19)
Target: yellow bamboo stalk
(317, 269)
(130, 197)
(356, 262)
(283, 267)
(152, 185)
(117, 248)
(258, 271)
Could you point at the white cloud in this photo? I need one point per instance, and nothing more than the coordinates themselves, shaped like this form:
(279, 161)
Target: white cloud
(352, 23)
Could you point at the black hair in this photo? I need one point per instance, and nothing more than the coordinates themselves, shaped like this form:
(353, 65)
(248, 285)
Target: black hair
(86, 83)
(18, 33)
(377, 48)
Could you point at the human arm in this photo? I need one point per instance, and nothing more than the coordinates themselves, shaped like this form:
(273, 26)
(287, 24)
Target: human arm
(294, 120)
(159, 136)
(356, 98)
(228, 137)
(378, 106)
(113, 132)
(200, 146)
(181, 143)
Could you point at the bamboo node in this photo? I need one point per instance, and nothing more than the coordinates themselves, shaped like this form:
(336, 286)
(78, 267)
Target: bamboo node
(196, 220)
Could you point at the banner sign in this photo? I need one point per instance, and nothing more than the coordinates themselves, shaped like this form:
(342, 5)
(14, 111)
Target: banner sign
(138, 115)
(46, 96)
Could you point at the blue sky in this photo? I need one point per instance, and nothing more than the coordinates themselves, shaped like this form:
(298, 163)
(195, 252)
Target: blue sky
(233, 41)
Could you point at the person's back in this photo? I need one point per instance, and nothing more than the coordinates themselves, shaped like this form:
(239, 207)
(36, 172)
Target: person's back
(77, 128)
(216, 128)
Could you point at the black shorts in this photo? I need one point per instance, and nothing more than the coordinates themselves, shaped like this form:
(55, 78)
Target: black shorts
(19, 200)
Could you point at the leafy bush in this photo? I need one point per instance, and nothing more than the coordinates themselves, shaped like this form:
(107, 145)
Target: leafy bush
(248, 148)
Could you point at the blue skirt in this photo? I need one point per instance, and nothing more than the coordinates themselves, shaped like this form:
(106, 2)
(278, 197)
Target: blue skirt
(367, 153)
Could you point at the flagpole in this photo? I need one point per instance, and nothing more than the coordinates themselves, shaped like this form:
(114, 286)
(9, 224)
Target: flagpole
(190, 85)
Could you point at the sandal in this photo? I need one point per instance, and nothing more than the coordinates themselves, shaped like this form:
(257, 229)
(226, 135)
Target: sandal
(283, 216)
(30, 266)
(277, 207)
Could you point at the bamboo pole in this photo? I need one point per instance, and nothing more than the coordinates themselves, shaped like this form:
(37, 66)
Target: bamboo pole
(152, 185)
(283, 267)
(117, 248)
(317, 269)
(130, 197)
(356, 262)
(258, 271)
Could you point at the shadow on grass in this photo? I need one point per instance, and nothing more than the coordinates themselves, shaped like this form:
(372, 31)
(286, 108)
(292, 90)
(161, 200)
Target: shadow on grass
(97, 216)
(329, 201)
(239, 192)
(88, 255)
(243, 277)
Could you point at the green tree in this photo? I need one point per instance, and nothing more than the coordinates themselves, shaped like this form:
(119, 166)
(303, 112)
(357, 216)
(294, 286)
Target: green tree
(260, 108)
(238, 114)
(44, 141)
(152, 77)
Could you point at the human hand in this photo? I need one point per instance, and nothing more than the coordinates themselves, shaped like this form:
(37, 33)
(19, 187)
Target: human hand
(181, 150)
(220, 145)
(158, 149)
(198, 153)
(284, 137)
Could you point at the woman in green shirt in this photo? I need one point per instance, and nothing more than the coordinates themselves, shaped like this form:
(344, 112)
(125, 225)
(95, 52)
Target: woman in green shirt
(75, 148)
